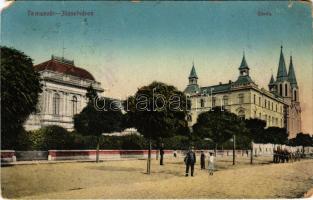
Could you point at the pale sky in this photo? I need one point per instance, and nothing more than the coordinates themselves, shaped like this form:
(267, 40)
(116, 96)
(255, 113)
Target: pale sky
(126, 45)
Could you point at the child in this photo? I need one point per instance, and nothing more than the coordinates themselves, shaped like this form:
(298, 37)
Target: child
(211, 164)
(202, 163)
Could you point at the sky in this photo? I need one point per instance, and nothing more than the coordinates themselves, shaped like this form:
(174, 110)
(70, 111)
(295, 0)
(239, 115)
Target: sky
(126, 45)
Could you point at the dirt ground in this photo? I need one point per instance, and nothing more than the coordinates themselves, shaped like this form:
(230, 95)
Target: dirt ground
(127, 179)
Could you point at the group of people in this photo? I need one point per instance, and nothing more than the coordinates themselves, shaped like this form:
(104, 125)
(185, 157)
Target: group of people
(190, 161)
(283, 155)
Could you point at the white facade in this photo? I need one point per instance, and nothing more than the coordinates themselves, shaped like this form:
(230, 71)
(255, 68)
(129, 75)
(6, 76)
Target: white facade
(62, 97)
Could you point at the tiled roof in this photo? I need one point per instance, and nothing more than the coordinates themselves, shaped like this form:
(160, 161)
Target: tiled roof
(216, 88)
(192, 88)
(65, 68)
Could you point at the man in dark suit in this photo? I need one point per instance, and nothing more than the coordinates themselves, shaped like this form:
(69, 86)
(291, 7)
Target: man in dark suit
(190, 161)
(161, 154)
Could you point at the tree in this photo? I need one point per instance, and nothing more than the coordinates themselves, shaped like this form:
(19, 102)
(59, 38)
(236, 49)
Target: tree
(20, 88)
(303, 140)
(256, 129)
(100, 116)
(276, 135)
(218, 125)
(157, 111)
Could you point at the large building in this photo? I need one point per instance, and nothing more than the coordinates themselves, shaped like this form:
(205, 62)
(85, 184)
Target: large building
(64, 88)
(279, 106)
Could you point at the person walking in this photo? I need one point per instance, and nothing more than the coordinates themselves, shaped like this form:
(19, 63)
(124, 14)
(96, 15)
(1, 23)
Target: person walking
(211, 164)
(161, 154)
(190, 161)
(175, 153)
(202, 160)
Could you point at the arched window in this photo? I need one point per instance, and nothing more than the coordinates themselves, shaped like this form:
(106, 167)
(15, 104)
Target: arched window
(241, 114)
(286, 89)
(213, 101)
(56, 104)
(295, 95)
(280, 89)
(74, 105)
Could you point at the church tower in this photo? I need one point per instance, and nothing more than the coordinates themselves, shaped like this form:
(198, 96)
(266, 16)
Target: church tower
(193, 86)
(286, 86)
(294, 109)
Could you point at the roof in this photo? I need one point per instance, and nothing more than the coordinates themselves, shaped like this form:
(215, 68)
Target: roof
(243, 80)
(193, 73)
(243, 64)
(291, 75)
(216, 88)
(282, 71)
(193, 88)
(64, 66)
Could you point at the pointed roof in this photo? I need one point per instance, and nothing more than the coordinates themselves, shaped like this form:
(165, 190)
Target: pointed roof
(243, 64)
(282, 71)
(272, 81)
(291, 74)
(193, 73)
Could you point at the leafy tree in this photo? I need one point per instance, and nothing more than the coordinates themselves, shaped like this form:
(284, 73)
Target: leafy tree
(303, 140)
(20, 86)
(276, 135)
(218, 125)
(91, 93)
(256, 128)
(157, 111)
(105, 118)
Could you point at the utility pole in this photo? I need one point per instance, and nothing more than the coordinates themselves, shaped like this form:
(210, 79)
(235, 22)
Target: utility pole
(234, 149)
(251, 154)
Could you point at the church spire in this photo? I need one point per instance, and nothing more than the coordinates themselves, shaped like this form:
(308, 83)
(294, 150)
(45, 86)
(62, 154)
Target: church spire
(282, 71)
(272, 81)
(193, 73)
(243, 64)
(291, 75)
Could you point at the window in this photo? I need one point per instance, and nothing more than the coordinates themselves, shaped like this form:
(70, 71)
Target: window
(240, 96)
(254, 98)
(74, 105)
(272, 106)
(213, 101)
(295, 95)
(225, 100)
(280, 89)
(241, 114)
(286, 89)
(265, 103)
(56, 104)
(259, 101)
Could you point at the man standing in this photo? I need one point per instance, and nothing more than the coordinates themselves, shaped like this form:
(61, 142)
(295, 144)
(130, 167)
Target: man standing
(202, 160)
(190, 161)
(161, 154)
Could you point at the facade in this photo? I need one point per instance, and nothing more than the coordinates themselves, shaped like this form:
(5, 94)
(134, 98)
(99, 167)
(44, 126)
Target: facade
(64, 88)
(279, 106)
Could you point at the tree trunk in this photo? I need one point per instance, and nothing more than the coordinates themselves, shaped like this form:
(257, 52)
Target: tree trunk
(149, 158)
(215, 150)
(234, 149)
(251, 156)
(98, 147)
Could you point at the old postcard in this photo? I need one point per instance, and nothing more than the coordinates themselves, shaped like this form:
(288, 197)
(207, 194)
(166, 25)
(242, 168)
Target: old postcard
(156, 99)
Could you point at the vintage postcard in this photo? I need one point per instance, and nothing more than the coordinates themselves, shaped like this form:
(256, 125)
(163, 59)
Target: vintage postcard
(156, 99)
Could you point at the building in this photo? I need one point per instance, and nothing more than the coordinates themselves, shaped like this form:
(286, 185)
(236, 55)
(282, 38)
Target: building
(64, 87)
(279, 106)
